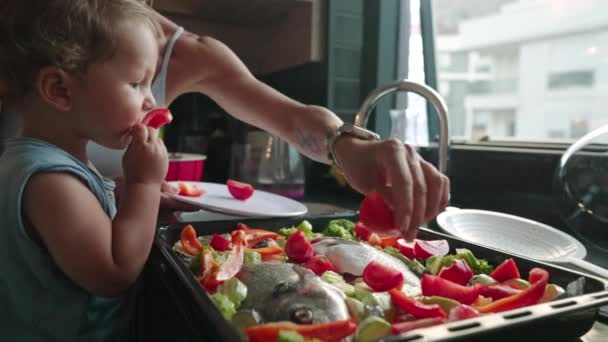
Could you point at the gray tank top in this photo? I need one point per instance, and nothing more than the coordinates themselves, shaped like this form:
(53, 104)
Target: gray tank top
(108, 161)
(38, 301)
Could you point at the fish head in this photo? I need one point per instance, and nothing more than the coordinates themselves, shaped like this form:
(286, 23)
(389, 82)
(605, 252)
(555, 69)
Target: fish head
(289, 292)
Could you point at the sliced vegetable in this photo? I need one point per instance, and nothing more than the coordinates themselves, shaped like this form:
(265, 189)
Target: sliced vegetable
(362, 232)
(538, 278)
(446, 304)
(336, 280)
(506, 271)
(459, 273)
(482, 279)
(497, 291)
(272, 249)
(240, 190)
(424, 249)
(403, 327)
(517, 283)
(406, 248)
(157, 118)
(209, 270)
(234, 262)
(477, 265)
(189, 190)
(435, 286)
(298, 248)
(382, 278)
(375, 213)
(414, 307)
(255, 235)
(227, 307)
(189, 241)
(220, 243)
(331, 331)
(552, 291)
(461, 312)
(319, 264)
(372, 329)
(290, 336)
(235, 290)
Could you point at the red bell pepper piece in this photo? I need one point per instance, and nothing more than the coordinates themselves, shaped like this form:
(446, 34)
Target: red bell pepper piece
(497, 291)
(435, 286)
(506, 271)
(157, 118)
(234, 262)
(189, 190)
(414, 307)
(189, 241)
(459, 273)
(240, 190)
(461, 312)
(382, 278)
(406, 248)
(403, 327)
(268, 252)
(255, 235)
(362, 232)
(389, 240)
(423, 249)
(319, 264)
(327, 332)
(219, 243)
(530, 296)
(375, 213)
(209, 270)
(298, 248)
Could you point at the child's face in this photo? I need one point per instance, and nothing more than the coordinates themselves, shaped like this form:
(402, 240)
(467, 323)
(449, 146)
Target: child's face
(115, 94)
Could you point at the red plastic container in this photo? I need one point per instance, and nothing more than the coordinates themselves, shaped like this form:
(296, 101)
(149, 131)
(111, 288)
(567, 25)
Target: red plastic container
(186, 167)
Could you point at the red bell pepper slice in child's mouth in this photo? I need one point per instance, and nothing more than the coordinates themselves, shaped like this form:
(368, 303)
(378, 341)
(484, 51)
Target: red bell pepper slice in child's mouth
(157, 118)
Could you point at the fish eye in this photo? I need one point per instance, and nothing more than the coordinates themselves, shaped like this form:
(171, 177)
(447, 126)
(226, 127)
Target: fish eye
(301, 316)
(280, 289)
(262, 243)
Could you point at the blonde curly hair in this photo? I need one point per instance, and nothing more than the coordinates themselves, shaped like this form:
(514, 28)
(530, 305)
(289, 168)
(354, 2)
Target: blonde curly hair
(70, 34)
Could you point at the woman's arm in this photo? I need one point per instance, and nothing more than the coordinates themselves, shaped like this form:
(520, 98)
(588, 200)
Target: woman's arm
(411, 186)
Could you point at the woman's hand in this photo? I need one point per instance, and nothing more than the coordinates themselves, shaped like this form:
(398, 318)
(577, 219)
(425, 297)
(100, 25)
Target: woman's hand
(411, 186)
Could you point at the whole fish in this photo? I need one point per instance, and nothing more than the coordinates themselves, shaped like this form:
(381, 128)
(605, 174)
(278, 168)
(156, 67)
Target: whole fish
(351, 257)
(289, 292)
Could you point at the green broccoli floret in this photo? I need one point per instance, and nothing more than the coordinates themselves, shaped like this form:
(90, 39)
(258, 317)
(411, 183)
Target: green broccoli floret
(434, 264)
(305, 227)
(342, 228)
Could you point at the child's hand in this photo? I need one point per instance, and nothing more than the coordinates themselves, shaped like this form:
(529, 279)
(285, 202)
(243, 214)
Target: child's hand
(146, 159)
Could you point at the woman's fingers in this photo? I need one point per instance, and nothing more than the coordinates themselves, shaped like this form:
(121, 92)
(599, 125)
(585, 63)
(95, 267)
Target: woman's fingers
(419, 194)
(397, 189)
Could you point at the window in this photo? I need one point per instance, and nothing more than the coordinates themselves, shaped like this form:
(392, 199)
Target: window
(520, 69)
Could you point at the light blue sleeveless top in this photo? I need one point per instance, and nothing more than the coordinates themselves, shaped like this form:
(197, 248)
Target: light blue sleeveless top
(108, 161)
(37, 300)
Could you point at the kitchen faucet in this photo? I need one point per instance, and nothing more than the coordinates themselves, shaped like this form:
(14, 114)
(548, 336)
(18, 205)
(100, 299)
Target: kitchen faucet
(423, 90)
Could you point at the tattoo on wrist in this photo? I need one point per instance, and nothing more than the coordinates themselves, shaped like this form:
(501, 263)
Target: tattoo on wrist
(311, 143)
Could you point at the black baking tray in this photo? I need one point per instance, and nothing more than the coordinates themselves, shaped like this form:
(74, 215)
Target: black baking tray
(563, 320)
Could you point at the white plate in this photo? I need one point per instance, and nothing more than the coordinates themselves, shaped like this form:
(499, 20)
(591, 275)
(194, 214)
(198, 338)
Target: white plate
(516, 235)
(260, 204)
